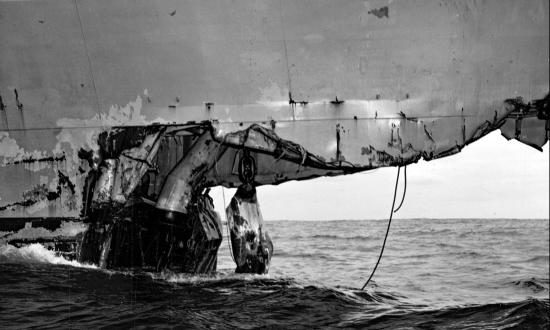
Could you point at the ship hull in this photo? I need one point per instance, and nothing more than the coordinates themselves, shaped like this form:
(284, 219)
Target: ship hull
(105, 105)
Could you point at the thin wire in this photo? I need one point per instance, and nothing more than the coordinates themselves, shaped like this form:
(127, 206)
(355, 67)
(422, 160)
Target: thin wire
(223, 194)
(404, 192)
(227, 225)
(87, 56)
(224, 203)
(48, 128)
(285, 47)
(387, 230)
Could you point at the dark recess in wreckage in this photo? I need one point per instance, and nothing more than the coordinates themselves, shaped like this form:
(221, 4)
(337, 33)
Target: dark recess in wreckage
(146, 202)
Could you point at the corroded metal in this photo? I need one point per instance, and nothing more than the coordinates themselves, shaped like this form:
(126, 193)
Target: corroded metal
(529, 123)
(120, 176)
(187, 177)
(105, 184)
(200, 251)
(251, 245)
(142, 237)
(134, 163)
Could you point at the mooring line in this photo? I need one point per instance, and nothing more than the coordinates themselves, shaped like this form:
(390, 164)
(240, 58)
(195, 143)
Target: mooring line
(387, 230)
(404, 191)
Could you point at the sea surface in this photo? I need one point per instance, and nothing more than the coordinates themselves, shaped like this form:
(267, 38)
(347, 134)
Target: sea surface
(435, 274)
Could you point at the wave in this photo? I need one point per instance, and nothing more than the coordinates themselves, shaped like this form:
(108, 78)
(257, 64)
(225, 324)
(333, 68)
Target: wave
(543, 258)
(225, 299)
(419, 232)
(535, 284)
(222, 278)
(331, 237)
(35, 253)
(449, 245)
(508, 232)
(527, 314)
(306, 255)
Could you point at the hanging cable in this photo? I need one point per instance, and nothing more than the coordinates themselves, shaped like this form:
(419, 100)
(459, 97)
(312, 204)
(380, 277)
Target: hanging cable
(404, 190)
(223, 195)
(387, 230)
(227, 225)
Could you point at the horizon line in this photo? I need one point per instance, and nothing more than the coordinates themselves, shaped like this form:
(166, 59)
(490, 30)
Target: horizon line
(408, 219)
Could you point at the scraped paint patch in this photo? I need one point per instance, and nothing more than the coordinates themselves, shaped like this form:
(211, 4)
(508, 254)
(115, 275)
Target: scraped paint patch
(79, 134)
(11, 152)
(41, 197)
(273, 95)
(86, 138)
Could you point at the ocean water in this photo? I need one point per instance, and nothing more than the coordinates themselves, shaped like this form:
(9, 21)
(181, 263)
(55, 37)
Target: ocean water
(435, 274)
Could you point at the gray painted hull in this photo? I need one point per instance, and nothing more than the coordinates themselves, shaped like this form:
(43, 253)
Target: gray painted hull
(348, 81)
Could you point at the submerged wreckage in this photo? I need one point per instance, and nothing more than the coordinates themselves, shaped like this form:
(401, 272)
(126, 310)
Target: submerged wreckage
(121, 115)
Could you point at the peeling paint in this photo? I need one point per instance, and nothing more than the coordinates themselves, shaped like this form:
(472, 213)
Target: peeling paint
(270, 94)
(40, 194)
(391, 129)
(79, 135)
(11, 153)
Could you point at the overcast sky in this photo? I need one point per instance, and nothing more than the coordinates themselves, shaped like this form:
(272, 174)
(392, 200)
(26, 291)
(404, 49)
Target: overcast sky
(491, 178)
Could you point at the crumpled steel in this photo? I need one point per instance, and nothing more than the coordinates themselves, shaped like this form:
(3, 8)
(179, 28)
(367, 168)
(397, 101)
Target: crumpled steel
(251, 245)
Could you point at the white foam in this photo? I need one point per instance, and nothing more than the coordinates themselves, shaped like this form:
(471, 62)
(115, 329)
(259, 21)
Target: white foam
(221, 274)
(35, 253)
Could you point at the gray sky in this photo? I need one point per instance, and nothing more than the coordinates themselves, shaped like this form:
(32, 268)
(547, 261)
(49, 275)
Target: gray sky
(491, 178)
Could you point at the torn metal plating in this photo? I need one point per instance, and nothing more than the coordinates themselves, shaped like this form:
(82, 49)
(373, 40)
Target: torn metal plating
(145, 184)
(120, 175)
(187, 178)
(528, 123)
(146, 156)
